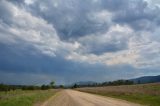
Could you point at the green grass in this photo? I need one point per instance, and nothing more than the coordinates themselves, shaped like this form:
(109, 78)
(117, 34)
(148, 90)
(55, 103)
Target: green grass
(145, 94)
(150, 100)
(24, 98)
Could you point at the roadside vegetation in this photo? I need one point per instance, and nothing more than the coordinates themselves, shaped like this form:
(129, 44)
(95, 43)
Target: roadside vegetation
(25, 97)
(110, 83)
(147, 94)
(4, 87)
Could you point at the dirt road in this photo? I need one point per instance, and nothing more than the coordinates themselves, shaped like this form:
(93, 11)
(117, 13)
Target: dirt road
(76, 98)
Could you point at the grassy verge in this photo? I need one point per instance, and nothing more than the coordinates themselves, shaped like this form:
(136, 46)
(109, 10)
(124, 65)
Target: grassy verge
(24, 98)
(148, 94)
(149, 100)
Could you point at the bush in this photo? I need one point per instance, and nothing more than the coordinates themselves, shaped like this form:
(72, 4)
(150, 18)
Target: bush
(4, 87)
(45, 87)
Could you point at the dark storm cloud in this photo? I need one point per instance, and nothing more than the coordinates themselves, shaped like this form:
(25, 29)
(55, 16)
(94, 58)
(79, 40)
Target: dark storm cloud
(138, 15)
(71, 18)
(100, 49)
(34, 66)
(17, 2)
(6, 14)
(77, 40)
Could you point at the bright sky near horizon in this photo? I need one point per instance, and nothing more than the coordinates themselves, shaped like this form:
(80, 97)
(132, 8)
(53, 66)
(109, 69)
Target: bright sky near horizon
(78, 40)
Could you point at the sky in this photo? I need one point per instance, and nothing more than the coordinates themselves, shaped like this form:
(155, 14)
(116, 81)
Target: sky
(78, 40)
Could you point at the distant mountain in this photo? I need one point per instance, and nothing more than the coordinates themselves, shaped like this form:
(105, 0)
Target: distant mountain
(86, 83)
(146, 79)
(140, 80)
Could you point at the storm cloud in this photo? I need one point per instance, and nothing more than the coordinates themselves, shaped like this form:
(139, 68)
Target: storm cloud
(77, 40)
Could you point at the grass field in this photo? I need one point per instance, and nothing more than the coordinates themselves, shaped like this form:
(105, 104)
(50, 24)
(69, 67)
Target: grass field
(147, 94)
(25, 98)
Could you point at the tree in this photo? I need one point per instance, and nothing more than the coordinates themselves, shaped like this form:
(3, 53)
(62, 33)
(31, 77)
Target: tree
(139, 82)
(52, 84)
(61, 86)
(45, 87)
(75, 86)
(4, 87)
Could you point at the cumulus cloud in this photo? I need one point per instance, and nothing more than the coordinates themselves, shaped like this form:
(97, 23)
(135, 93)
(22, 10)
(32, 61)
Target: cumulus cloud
(53, 36)
(127, 47)
(78, 18)
(17, 26)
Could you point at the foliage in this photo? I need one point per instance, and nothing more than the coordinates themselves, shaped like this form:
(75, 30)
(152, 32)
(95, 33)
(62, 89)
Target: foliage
(75, 86)
(118, 82)
(110, 83)
(52, 84)
(4, 87)
(24, 98)
(45, 87)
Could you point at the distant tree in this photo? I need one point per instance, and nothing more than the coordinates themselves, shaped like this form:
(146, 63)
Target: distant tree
(117, 82)
(52, 84)
(45, 87)
(75, 86)
(139, 82)
(61, 86)
(4, 87)
(128, 82)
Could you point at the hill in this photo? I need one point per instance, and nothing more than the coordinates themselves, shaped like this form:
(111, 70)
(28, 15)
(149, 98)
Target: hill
(146, 79)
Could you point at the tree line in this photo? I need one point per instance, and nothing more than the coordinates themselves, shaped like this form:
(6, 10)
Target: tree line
(109, 83)
(51, 85)
(5, 87)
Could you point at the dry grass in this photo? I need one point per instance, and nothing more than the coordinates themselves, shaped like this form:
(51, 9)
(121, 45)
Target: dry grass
(144, 93)
(151, 89)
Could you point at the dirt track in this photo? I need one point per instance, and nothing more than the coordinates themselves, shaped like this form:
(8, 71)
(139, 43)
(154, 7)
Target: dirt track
(76, 98)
